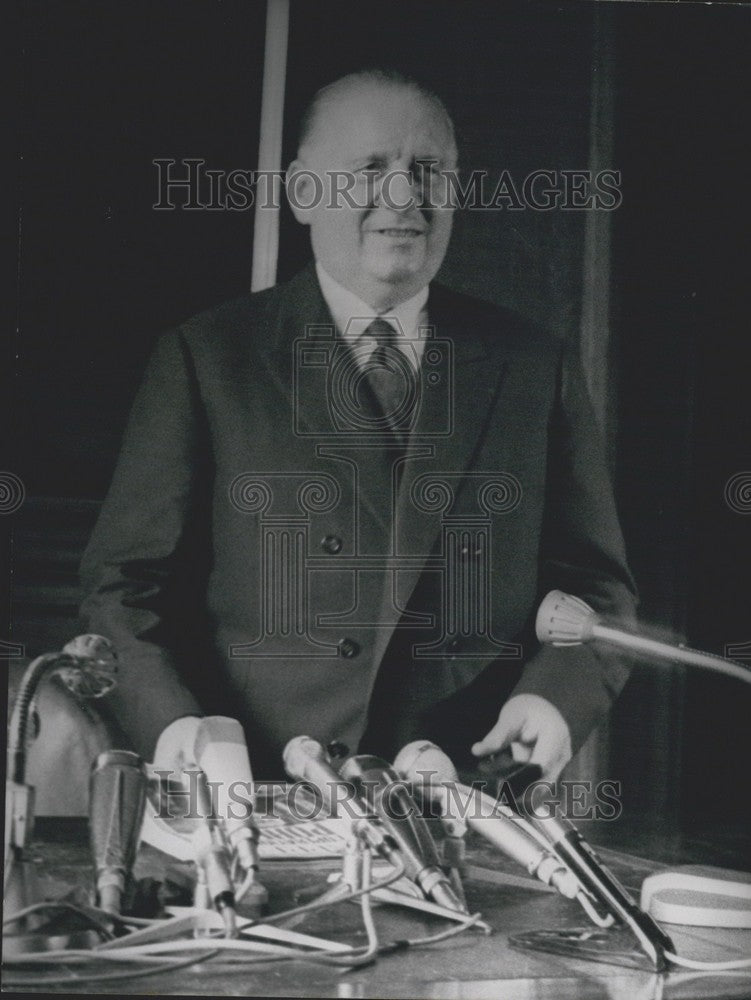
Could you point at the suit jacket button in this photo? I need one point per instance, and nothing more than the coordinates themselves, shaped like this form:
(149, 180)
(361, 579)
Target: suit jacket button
(348, 648)
(331, 544)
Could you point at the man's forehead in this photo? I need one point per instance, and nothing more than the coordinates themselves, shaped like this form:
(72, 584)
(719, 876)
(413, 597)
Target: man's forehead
(378, 119)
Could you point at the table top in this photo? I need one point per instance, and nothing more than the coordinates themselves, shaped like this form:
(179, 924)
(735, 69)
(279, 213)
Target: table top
(471, 966)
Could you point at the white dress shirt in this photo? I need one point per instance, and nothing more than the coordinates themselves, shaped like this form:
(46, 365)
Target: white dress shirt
(352, 316)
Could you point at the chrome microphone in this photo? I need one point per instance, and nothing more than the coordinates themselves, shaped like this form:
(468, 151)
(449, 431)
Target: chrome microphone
(574, 869)
(87, 666)
(574, 850)
(387, 794)
(306, 760)
(213, 860)
(429, 769)
(117, 797)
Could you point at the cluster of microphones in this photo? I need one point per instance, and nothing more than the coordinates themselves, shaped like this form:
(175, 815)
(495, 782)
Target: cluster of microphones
(224, 843)
(383, 805)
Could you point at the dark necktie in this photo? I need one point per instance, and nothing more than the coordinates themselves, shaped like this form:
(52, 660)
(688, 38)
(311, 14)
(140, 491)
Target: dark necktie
(392, 379)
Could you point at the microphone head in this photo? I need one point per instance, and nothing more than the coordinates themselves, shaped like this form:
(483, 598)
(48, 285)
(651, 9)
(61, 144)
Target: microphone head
(388, 794)
(88, 666)
(306, 760)
(298, 753)
(564, 620)
(220, 750)
(360, 766)
(90, 647)
(221, 729)
(423, 761)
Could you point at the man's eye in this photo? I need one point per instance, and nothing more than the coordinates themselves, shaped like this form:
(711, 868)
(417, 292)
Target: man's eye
(427, 168)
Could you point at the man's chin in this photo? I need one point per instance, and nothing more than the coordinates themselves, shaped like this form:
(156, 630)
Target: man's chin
(399, 273)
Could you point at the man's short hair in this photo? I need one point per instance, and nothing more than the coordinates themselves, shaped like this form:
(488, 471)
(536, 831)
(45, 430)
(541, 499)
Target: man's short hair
(376, 76)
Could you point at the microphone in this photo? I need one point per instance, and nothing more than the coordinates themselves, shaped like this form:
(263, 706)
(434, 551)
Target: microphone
(564, 620)
(117, 797)
(421, 760)
(88, 666)
(386, 793)
(429, 768)
(574, 850)
(305, 760)
(212, 861)
(222, 754)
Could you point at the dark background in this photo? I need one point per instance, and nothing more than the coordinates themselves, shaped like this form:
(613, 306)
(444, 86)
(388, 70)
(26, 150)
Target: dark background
(106, 87)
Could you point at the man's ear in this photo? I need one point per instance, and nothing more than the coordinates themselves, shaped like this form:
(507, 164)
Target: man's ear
(304, 191)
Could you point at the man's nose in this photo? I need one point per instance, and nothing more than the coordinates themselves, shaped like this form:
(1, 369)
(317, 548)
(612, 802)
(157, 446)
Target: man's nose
(398, 190)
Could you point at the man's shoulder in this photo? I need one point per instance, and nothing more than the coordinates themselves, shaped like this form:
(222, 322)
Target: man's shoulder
(252, 316)
(246, 316)
(232, 315)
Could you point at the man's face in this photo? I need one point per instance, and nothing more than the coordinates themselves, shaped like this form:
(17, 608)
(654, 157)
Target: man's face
(385, 249)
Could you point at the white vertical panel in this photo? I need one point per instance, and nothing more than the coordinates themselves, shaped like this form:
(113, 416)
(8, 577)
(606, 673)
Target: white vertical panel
(266, 224)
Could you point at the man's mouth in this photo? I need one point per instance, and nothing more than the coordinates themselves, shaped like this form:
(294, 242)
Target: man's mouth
(398, 232)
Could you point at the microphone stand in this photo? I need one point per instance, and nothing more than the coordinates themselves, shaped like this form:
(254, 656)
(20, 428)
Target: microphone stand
(555, 852)
(349, 880)
(357, 859)
(87, 667)
(565, 620)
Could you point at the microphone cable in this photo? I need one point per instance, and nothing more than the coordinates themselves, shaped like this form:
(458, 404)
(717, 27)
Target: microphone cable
(155, 954)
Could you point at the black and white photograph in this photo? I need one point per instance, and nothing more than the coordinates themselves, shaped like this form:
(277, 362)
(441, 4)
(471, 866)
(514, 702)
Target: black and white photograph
(375, 525)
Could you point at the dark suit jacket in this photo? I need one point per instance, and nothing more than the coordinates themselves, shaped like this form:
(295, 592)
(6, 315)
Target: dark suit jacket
(266, 552)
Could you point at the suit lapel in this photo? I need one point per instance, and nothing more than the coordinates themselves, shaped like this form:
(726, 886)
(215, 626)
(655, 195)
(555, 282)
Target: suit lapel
(299, 327)
(303, 349)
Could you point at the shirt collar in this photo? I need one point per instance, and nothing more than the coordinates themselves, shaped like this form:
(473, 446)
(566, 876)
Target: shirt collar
(352, 315)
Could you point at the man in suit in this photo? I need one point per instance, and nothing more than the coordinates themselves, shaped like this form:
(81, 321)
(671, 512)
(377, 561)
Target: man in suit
(339, 501)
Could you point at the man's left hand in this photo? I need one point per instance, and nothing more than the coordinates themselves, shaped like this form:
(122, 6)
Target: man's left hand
(536, 732)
